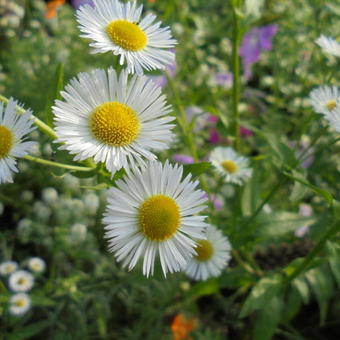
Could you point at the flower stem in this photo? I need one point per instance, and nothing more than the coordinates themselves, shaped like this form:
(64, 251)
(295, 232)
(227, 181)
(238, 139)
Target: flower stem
(39, 123)
(236, 72)
(335, 227)
(58, 165)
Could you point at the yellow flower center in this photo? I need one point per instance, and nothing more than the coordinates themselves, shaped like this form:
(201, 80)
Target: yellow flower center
(22, 281)
(20, 303)
(114, 124)
(331, 105)
(127, 35)
(229, 166)
(9, 268)
(159, 217)
(6, 141)
(204, 250)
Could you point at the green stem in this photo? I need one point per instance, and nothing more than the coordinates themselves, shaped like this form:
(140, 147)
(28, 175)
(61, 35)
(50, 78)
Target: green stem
(58, 165)
(335, 227)
(39, 123)
(236, 72)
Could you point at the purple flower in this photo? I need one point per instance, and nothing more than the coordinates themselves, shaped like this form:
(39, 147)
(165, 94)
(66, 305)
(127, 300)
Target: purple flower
(244, 132)
(161, 80)
(224, 79)
(254, 42)
(218, 204)
(185, 159)
(77, 3)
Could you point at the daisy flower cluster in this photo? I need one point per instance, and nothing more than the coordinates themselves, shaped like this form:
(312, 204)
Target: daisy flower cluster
(20, 282)
(325, 99)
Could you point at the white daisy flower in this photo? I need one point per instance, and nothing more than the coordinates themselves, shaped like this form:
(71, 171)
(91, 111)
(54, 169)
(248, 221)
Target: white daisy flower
(153, 211)
(36, 264)
(113, 119)
(13, 128)
(325, 99)
(118, 27)
(19, 304)
(21, 281)
(213, 255)
(334, 118)
(230, 164)
(329, 45)
(8, 267)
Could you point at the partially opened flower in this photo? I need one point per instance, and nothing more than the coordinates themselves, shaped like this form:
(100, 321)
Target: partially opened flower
(8, 267)
(21, 281)
(231, 165)
(13, 128)
(118, 27)
(19, 304)
(113, 119)
(213, 255)
(329, 45)
(325, 99)
(153, 212)
(36, 264)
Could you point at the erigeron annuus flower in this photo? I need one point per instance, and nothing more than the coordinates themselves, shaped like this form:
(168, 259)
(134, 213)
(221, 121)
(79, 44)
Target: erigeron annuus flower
(113, 119)
(230, 164)
(329, 45)
(13, 128)
(118, 27)
(19, 304)
(334, 118)
(36, 264)
(325, 99)
(153, 211)
(8, 267)
(213, 255)
(21, 281)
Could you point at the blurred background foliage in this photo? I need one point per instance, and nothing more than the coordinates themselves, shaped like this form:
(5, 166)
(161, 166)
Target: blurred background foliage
(55, 215)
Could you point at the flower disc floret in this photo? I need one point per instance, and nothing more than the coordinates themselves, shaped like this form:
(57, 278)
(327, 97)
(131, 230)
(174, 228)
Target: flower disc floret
(229, 166)
(159, 217)
(114, 124)
(6, 141)
(204, 250)
(127, 35)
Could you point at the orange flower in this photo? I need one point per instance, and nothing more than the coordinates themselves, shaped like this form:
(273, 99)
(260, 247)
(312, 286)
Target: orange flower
(181, 327)
(51, 8)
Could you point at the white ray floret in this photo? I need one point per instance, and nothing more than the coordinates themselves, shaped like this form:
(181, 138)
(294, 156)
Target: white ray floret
(19, 304)
(13, 130)
(36, 264)
(324, 99)
(8, 267)
(119, 28)
(213, 255)
(334, 118)
(114, 119)
(152, 213)
(329, 45)
(231, 165)
(21, 281)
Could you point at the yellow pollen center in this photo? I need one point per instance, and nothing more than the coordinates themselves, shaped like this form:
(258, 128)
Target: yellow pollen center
(204, 250)
(331, 105)
(21, 281)
(114, 124)
(6, 141)
(127, 35)
(20, 303)
(229, 166)
(159, 217)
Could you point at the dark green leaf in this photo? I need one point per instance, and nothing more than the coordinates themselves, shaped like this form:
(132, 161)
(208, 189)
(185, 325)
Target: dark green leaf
(29, 331)
(196, 169)
(333, 251)
(204, 288)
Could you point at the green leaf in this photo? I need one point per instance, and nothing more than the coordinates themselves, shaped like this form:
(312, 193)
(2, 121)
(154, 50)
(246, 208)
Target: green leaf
(268, 318)
(204, 288)
(333, 251)
(54, 92)
(40, 300)
(296, 176)
(293, 304)
(321, 283)
(250, 195)
(29, 331)
(196, 169)
(263, 291)
(235, 278)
